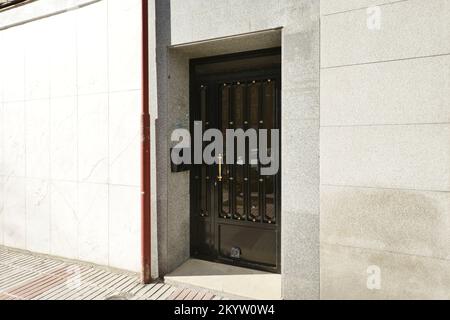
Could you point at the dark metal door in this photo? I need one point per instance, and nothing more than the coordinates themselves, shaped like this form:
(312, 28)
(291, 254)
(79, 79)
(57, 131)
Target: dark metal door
(235, 211)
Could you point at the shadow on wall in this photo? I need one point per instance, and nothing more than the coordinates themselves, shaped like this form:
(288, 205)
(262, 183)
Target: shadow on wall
(401, 221)
(404, 233)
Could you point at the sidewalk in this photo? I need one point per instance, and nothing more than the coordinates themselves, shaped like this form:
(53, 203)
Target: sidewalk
(27, 276)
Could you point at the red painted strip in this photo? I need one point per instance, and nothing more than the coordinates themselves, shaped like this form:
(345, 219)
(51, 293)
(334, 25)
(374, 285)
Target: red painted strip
(145, 153)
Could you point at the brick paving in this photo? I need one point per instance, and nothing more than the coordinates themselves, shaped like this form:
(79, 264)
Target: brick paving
(27, 276)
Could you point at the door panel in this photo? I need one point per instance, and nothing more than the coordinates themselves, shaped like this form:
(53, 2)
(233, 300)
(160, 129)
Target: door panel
(235, 219)
(257, 246)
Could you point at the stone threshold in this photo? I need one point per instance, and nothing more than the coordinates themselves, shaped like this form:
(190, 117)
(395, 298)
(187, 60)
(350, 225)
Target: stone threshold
(228, 281)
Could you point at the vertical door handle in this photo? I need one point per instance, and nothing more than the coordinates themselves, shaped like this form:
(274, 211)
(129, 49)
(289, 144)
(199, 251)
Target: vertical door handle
(220, 158)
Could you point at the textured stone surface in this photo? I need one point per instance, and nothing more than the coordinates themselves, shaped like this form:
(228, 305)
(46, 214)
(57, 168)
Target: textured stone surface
(178, 183)
(300, 167)
(237, 43)
(300, 256)
(162, 32)
(409, 29)
(385, 153)
(344, 275)
(398, 92)
(300, 114)
(300, 157)
(227, 280)
(337, 6)
(220, 18)
(409, 157)
(409, 222)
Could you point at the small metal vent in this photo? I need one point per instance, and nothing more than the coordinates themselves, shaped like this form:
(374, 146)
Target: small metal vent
(235, 253)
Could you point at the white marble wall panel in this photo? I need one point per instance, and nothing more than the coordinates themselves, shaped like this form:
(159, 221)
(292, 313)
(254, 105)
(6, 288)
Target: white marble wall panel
(70, 104)
(38, 215)
(14, 213)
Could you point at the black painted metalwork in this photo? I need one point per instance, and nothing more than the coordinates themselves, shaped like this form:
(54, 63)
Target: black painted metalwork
(235, 211)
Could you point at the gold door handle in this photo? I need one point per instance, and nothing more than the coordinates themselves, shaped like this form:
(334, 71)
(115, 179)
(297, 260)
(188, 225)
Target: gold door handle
(220, 158)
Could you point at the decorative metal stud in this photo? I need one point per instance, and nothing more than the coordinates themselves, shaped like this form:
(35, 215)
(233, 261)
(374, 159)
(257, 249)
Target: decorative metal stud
(245, 122)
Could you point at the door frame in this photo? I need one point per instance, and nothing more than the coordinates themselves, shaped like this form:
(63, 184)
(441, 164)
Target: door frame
(192, 105)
